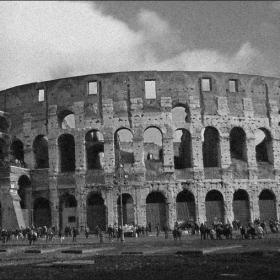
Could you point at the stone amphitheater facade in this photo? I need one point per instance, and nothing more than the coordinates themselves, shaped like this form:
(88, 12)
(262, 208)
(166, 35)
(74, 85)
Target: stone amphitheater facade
(191, 146)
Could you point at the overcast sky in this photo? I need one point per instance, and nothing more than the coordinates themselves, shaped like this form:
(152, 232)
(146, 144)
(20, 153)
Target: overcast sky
(48, 40)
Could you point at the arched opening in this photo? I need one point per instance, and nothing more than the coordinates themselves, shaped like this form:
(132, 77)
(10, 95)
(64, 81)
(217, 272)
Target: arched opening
(67, 211)
(263, 145)
(182, 145)
(128, 209)
(238, 153)
(66, 145)
(66, 119)
(124, 151)
(180, 114)
(23, 183)
(41, 212)
(153, 150)
(211, 147)
(96, 212)
(264, 153)
(41, 151)
(3, 153)
(95, 150)
(17, 153)
(214, 204)
(4, 125)
(241, 207)
(156, 210)
(185, 206)
(267, 206)
(238, 144)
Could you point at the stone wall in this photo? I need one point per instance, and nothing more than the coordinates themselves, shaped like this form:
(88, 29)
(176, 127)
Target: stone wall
(121, 104)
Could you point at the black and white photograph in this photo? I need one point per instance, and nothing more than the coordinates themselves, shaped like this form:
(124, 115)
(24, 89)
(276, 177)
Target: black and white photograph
(139, 140)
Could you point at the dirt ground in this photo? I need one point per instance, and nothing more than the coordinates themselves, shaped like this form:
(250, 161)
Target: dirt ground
(142, 258)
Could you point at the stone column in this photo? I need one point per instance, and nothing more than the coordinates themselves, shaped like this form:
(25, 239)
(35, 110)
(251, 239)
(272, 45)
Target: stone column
(228, 195)
(168, 153)
(81, 197)
(171, 206)
(138, 147)
(54, 199)
(28, 151)
(200, 211)
(80, 151)
(109, 202)
(254, 202)
(54, 161)
(53, 128)
(109, 150)
(227, 174)
(251, 157)
(197, 155)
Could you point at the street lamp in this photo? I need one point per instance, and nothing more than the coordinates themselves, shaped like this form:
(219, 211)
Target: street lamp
(120, 180)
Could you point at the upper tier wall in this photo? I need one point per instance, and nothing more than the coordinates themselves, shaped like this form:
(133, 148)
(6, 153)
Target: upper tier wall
(123, 86)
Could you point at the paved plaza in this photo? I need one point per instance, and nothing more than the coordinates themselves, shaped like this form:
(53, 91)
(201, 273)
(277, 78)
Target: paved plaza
(148, 257)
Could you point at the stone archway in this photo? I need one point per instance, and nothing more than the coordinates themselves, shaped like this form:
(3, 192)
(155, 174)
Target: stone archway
(156, 210)
(96, 212)
(41, 212)
(241, 207)
(67, 211)
(185, 206)
(128, 209)
(214, 204)
(267, 206)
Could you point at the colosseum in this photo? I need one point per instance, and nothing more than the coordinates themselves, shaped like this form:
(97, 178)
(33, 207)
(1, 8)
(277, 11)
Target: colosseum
(167, 145)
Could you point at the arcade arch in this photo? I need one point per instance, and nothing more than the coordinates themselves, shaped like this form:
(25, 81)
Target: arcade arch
(128, 209)
(185, 206)
(267, 206)
(94, 149)
(153, 147)
(182, 145)
(156, 211)
(241, 207)
(214, 204)
(96, 212)
(67, 211)
(66, 145)
(211, 147)
(124, 151)
(23, 184)
(17, 153)
(4, 125)
(41, 151)
(238, 144)
(66, 119)
(41, 212)
(264, 150)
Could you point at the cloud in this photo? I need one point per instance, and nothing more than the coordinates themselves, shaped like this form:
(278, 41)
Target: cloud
(268, 29)
(275, 5)
(48, 40)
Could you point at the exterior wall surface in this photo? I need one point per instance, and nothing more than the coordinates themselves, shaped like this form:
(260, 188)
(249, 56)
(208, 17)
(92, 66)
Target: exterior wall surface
(121, 104)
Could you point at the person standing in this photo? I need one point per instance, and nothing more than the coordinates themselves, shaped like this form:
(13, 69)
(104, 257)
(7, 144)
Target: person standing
(60, 234)
(74, 234)
(110, 232)
(158, 229)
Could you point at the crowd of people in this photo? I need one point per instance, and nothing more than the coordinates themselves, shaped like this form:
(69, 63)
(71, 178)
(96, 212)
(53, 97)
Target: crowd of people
(216, 230)
(116, 231)
(32, 234)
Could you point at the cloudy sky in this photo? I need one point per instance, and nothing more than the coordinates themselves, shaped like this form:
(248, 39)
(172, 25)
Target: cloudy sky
(48, 40)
